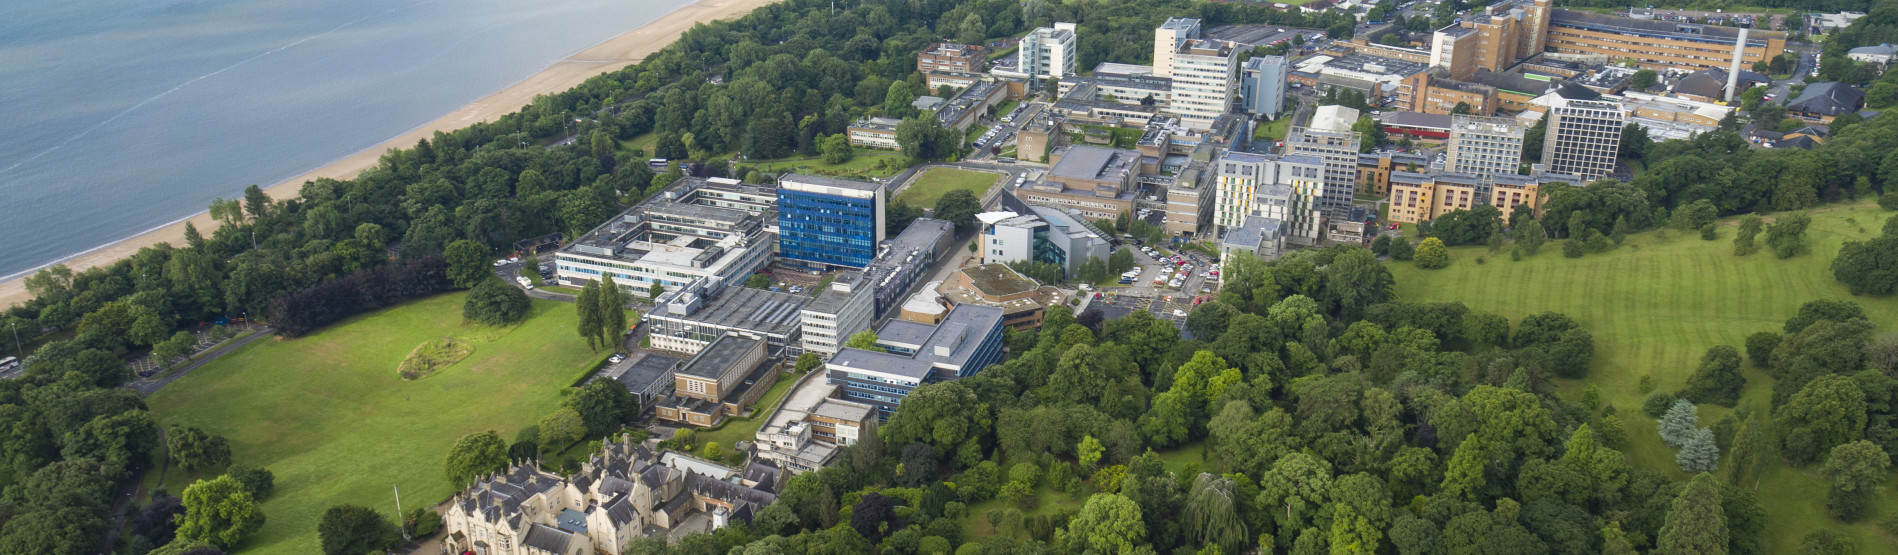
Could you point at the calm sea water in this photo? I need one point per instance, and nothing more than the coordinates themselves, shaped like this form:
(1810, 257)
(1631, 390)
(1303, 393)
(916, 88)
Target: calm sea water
(118, 116)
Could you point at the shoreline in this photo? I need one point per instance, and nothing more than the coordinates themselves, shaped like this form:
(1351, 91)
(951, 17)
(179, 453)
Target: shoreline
(558, 75)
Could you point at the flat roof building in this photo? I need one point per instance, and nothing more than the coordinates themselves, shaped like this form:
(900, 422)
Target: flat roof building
(844, 308)
(1262, 82)
(829, 222)
(1584, 138)
(812, 426)
(721, 380)
(693, 229)
(688, 318)
(1484, 146)
(1045, 234)
(1330, 139)
(912, 354)
(901, 261)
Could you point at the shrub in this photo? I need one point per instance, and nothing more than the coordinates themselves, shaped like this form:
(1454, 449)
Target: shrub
(1888, 201)
(1658, 402)
(1432, 254)
(1708, 233)
(1572, 248)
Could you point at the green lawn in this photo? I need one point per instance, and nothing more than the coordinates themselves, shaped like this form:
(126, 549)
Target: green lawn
(1655, 307)
(866, 163)
(329, 416)
(745, 429)
(933, 183)
(1272, 130)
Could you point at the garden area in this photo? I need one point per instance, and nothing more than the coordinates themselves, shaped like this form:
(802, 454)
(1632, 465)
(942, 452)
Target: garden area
(329, 414)
(930, 185)
(1655, 306)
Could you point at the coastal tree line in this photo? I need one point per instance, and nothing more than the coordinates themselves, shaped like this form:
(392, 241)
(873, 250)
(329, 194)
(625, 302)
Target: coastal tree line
(785, 73)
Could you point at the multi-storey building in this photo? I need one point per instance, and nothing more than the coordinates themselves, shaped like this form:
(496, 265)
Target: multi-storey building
(686, 319)
(721, 380)
(1659, 44)
(844, 308)
(828, 221)
(1583, 138)
(1423, 196)
(1167, 40)
(623, 492)
(1374, 169)
(1330, 139)
(812, 426)
(1205, 81)
(1295, 197)
(1237, 176)
(694, 229)
(910, 354)
(952, 57)
(1047, 53)
(1099, 182)
(877, 132)
(1484, 146)
(1262, 82)
(1045, 234)
(1190, 199)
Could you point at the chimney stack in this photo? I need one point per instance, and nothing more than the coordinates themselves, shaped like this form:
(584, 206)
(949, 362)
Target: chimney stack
(1733, 74)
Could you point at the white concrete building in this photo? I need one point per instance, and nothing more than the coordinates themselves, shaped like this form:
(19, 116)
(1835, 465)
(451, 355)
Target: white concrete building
(1583, 139)
(695, 229)
(1329, 138)
(1484, 145)
(846, 308)
(1048, 52)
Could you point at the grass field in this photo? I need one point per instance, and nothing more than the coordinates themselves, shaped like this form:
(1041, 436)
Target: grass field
(1655, 307)
(1273, 130)
(865, 164)
(933, 183)
(329, 416)
(746, 430)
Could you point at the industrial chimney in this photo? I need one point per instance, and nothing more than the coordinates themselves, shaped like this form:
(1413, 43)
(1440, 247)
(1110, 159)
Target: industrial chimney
(1733, 73)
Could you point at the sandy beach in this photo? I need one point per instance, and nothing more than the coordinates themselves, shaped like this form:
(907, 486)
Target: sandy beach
(566, 73)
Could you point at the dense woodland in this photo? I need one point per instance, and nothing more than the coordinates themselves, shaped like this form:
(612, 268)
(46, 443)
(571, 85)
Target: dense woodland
(1332, 409)
(1339, 422)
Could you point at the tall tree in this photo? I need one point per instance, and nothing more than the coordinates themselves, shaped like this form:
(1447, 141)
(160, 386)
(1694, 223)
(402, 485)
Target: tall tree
(1108, 523)
(1718, 379)
(219, 512)
(1854, 470)
(195, 450)
(467, 263)
(354, 529)
(612, 311)
(588, 305)
(474, 456)
(1212, 514)
(958, 207)
(1695, 524)
(1678, 425)
(1699, 453)
(1358, 281)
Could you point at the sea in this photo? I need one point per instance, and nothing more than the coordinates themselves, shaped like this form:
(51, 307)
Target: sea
(121, 116)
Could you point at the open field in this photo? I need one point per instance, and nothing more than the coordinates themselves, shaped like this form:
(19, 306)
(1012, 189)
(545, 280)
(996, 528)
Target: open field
(328, 414)
(1655, 307)
(933, 183)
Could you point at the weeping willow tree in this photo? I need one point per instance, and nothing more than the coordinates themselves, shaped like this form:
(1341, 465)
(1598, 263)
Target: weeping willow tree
(1212, 516)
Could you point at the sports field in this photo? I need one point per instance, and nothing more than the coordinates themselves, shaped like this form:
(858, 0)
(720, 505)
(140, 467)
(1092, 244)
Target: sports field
(328, 414)
(933, 183)
(1654, 307)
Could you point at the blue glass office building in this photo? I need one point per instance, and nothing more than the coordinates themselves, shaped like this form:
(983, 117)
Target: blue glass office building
(828, 221)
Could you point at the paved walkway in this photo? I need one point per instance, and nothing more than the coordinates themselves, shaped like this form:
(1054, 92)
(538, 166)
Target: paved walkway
(147, 387)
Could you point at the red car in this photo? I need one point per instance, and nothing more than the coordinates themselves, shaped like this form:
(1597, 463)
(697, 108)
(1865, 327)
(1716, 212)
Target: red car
(1395, 225)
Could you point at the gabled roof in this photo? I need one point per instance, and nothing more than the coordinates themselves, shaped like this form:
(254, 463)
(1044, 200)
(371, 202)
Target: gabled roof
(1830, 98)
(1712, 83)
(1572, 91)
